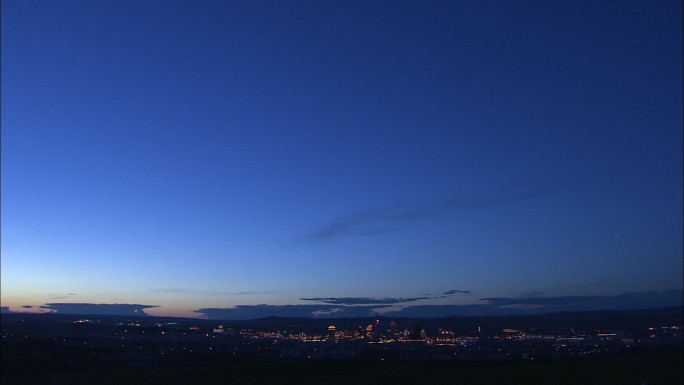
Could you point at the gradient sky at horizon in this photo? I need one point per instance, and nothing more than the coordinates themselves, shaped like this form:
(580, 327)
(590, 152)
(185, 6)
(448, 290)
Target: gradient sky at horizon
(208, 154)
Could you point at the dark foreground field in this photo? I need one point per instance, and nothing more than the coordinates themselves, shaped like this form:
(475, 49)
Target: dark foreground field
(660, 369)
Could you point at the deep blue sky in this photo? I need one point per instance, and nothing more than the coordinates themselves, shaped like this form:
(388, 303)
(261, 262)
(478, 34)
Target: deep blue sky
(207, 154)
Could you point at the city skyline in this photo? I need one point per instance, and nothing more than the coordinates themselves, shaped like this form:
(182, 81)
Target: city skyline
(191, 159)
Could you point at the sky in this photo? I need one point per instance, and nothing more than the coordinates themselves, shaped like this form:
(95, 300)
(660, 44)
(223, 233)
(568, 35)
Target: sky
(341, 158)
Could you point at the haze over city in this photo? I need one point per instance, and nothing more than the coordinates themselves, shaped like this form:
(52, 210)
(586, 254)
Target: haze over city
(245, 159)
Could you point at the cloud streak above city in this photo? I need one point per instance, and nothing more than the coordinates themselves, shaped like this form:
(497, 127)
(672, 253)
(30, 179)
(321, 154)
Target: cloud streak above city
(244, 312)
(368, 307)
(452, 292)
(381, 300)
(390, 218)
(364, 300)
(208, 292)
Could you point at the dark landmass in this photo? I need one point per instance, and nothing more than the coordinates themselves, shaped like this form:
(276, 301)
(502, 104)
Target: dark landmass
(605, 347)
(658, 369)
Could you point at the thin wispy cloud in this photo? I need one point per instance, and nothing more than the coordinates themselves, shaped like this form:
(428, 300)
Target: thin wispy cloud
(62, 296)
(321, 313)
(363, 300)
(244, 312)
(208, 292)
(452, 292)
(370, 222)
(543, 301)
(351, 301)
(391, 218)
(253, 292)
(187, 291)
(533, 293)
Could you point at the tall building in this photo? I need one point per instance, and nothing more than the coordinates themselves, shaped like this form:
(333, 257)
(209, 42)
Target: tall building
(393, 329)
(332, 330)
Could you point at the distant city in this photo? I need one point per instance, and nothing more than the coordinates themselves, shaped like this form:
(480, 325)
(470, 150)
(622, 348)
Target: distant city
(75, 340)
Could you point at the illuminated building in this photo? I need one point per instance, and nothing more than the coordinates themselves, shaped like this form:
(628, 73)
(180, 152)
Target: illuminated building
(393, 329)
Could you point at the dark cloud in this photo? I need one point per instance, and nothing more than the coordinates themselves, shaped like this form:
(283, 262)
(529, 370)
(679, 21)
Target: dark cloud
(363, 300)
(540, 305)
(451, 292)
(98, 309)
(5, 309)
(436, 311)
(340, 307)
(245, 312)
(27, 307)
(385, 219)
(623, 301)
(353, 301)
(542, 301)
(334, 307)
